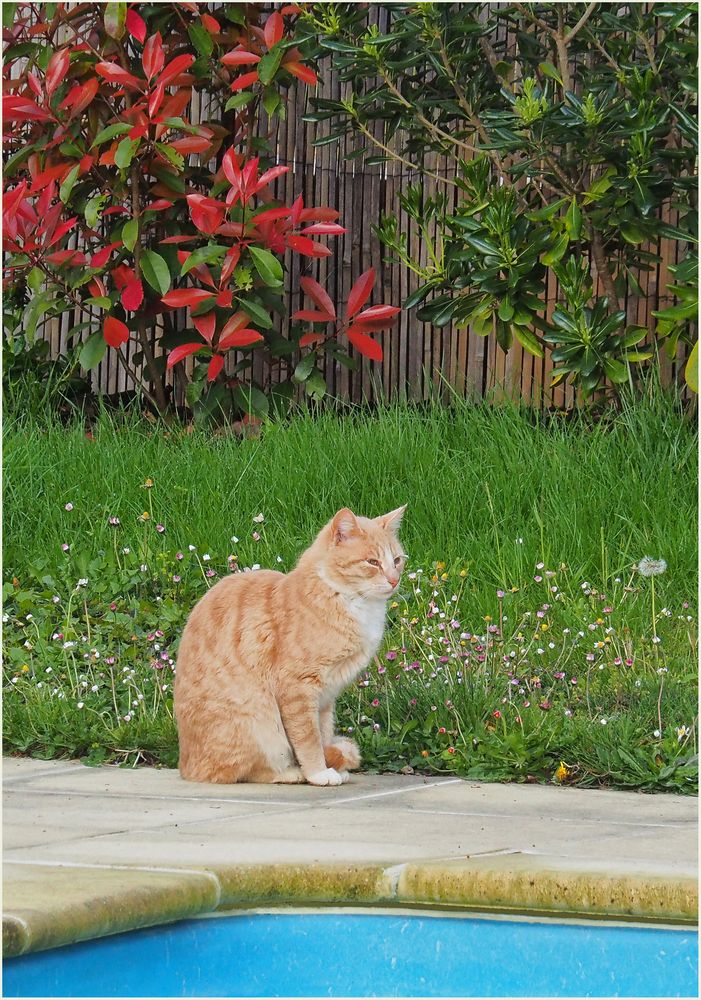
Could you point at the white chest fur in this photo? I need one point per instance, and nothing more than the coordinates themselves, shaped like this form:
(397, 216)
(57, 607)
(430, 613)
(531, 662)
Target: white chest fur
(370, 616)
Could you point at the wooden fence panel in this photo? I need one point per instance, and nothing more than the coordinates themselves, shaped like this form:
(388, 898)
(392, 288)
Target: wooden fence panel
(420, 360)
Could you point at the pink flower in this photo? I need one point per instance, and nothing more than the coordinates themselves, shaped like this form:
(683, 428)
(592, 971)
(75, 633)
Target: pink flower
(69, 506)
(160, 529)
(255, 536)
(451, 749)
(497, 714)
(211, 572)
(114, 521)
(391, 655)
(179, 555)
(176, 578)
(441, 730)
(500, 594)
(113, 606)
(65, 547)
(375, 702)
(538, 579)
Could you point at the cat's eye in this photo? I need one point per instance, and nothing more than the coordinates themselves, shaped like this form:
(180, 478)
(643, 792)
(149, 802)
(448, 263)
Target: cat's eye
(373, 562)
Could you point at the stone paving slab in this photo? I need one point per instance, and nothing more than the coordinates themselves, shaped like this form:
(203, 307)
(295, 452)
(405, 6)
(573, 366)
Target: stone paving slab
(378, 839)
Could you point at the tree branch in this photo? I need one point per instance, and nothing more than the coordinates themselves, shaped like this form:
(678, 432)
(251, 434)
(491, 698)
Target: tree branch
(581, 22)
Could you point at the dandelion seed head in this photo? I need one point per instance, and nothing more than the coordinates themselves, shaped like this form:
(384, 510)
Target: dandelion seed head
(651, 567)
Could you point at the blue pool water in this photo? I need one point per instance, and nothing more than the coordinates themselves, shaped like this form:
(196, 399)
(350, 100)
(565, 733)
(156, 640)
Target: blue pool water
(364, 955)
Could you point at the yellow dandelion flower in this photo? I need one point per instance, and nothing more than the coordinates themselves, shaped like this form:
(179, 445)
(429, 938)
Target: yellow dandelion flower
(599, 621)
(487, 618)
(440, 566)
(607, 639)
(434, 578)
(148, 484)
(444, 576)
(562, 772)
(514, 590)
(145, 516)
(544, 627)
(425, 753)
(394, 604)
(463, 572)
(24, 668)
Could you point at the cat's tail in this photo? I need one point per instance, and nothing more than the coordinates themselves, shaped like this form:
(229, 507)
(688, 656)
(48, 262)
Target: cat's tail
(342, 754)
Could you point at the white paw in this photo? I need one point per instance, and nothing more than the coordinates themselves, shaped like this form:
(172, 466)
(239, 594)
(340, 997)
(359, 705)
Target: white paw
(329, 776)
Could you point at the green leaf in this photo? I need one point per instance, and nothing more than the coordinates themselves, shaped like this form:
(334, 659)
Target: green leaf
(201, 39)
(269, 64)
(631, 233)
(35, 279)
(615, 370)
(239, 100)
(543, 214)
(130, 234)
(506, 310)
(8, 14)
(547, 69)
(267, 265)
(125, 152)
(483, 245)
(172, 155)
(203, 255)
(418, 296)
(170, 179)
(100, 301)
(637, 355)
(259, 316)
(39, 305)
(573, 220)
(155, 271)
(67, 185)
(315, 385)
(251, 400)
(527, 340)
(115, 19)
(93, 351)
(93, 209)
(110, 132)
(304, 367)
(557, 251)
(691, 371)
(271, 101)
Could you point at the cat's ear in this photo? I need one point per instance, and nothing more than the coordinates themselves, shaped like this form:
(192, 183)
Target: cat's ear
(391, 521)
(344, 525)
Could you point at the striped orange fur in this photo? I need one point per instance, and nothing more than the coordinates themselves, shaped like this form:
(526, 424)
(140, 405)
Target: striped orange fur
(264, 656)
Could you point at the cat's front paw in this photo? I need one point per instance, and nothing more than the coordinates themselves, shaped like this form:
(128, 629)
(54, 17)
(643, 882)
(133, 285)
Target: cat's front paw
(329, 776)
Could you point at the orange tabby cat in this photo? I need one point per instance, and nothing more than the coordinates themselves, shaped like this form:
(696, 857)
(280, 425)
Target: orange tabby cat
(264, 656)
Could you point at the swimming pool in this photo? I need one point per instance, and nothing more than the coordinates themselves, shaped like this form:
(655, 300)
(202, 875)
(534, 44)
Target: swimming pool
(364, 954)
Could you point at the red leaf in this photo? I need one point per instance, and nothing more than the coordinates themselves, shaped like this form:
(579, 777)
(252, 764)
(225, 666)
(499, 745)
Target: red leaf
(136, 26)
(72, 257)
(239, 57)
(320, 214)
(241, 82)
(178, 353)
(21, 109)
(206, 213)
(133, 295)
(290, 8)
(270, 175)
(240, 338)
(270, 214)
(310, 316)
(210, 23)
(175, 67)
(185, 297)
(360, 292)
(156, 99)
(121, 276)
(205, 325)
(235, 322)
(214, 367)
(324, 229)
(365, 345)
(80, 96)
(138, 132)
(100, 258)
(318, 295)
(373, 325)
(115, 74)
(302, 72)
(56, 70)
(153, 57)
(307, 247)
(229, 266)
(310, 338)
(157, 206)
(224, 299)
(97, 287)
(179, 239)
(273, 30)
(176, 104)
(115, 332)
(191, 144)
(376, 312)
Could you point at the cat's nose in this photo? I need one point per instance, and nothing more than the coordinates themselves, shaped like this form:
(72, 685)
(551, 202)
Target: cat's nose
(393, 581)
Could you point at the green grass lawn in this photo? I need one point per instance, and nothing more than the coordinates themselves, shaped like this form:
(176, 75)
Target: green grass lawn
(521, 646)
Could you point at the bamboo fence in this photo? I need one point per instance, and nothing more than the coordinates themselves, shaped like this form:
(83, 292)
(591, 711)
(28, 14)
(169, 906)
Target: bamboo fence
(419, 360)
